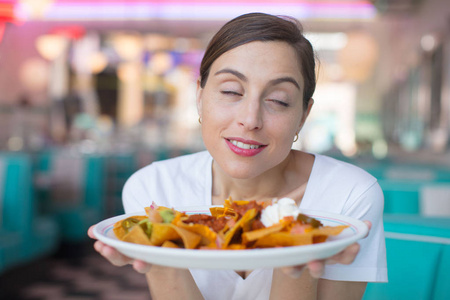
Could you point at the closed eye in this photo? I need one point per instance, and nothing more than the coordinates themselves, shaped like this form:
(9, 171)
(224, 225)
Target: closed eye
(232, 93)
(282, 103)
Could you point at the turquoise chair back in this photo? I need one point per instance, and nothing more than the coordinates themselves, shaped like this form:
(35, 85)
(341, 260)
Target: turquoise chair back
(2, 187)
(418, 257)
(400, 197)
(401, 185)
(83, 186)
(17, 203)
(404, 186)
(17, 209)
(94, 183)
(412, 269)
(119, 168)
(76, 199)
(442, 288)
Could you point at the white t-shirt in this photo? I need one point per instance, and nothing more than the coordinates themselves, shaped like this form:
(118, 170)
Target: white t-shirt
(333, 186)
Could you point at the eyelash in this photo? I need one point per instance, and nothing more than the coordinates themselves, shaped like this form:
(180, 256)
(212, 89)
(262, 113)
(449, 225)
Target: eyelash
(232, 93)
(280, 102)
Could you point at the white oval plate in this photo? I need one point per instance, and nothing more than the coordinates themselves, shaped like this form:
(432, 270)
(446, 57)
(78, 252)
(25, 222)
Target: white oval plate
(236, 259)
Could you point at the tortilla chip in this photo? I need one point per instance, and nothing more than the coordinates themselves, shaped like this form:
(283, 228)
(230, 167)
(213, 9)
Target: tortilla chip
(137, 235)
(169, 232)
(208, 235)
(190, 239)
(328, 230)
(169, 244)
(283, 239)
(120, 230)
(236, 247)
(228, 202)
(320, 239)
(321, 234)
(163, 232)
(247, 217)
(222, 211)
(178, 216)
(253, 235)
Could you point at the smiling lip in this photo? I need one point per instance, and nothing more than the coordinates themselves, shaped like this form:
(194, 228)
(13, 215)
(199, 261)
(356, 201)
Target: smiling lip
(244, 147)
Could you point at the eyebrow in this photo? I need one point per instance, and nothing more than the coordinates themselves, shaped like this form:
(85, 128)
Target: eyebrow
(272, 82)
(285, 79)
(234, 72)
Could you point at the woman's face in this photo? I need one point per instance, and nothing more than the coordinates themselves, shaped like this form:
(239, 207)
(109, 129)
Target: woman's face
(251, 107)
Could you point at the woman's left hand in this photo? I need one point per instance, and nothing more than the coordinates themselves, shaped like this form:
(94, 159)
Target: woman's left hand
(317, 267)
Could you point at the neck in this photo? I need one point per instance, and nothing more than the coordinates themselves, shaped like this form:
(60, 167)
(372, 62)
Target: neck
(271, 184)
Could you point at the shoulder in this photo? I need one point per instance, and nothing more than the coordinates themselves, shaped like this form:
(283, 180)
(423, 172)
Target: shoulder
(339, 171)
(338, 186)
(334, 165)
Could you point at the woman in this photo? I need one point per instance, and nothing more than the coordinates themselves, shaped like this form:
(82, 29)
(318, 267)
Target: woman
(254, 94)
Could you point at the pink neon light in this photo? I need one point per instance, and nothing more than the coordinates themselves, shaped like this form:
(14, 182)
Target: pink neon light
(204, 9)
(164, 2)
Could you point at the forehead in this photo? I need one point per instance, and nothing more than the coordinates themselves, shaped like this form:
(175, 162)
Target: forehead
(269, 59)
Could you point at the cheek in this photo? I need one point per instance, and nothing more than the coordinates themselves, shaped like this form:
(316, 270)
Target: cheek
(216, 113)
(285, 128)
(212, 120)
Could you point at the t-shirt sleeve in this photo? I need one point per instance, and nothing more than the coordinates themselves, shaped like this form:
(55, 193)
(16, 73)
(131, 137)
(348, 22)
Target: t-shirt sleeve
(370, 263)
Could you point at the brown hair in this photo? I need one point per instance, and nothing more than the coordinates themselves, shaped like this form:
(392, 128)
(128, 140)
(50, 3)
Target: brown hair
(263, 27)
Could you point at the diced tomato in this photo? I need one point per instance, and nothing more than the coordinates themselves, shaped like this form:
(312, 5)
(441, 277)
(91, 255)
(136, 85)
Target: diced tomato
(300, 228)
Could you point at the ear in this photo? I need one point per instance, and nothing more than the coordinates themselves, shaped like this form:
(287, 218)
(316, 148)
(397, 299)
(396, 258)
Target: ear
(306, 113)
(199, 98)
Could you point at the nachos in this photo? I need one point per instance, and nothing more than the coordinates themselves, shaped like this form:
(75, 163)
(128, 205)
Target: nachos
(236, 225)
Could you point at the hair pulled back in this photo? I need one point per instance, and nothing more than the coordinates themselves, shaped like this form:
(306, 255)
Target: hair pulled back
(263, 27)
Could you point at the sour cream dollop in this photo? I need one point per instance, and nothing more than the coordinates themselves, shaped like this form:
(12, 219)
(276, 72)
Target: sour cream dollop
(279, 209)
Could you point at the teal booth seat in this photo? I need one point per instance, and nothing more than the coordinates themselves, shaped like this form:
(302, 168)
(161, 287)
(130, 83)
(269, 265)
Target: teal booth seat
(418, 257)
(403, 184)
(401, 197)
(442, 286)
(75, 191)
(25, 234)
(119, 167)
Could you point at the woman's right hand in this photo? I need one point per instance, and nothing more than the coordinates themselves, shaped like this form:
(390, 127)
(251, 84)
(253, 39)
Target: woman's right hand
(115, 257)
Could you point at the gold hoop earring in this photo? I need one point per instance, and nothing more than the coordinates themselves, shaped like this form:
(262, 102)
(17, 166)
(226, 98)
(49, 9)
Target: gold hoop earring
(200, 120)
(296, 137)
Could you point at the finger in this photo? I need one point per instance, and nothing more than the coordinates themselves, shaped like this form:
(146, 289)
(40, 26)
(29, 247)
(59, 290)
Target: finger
(293, 271)
(141, 266)
(345, 257)
(316, 268)
(98, 246)
(369, 224)
(91, 232)
(114, 256)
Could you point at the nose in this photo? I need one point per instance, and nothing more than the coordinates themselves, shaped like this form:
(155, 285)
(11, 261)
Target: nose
(250, 114)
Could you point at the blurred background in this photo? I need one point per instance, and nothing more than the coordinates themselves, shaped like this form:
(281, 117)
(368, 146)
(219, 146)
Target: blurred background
(92, 90)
